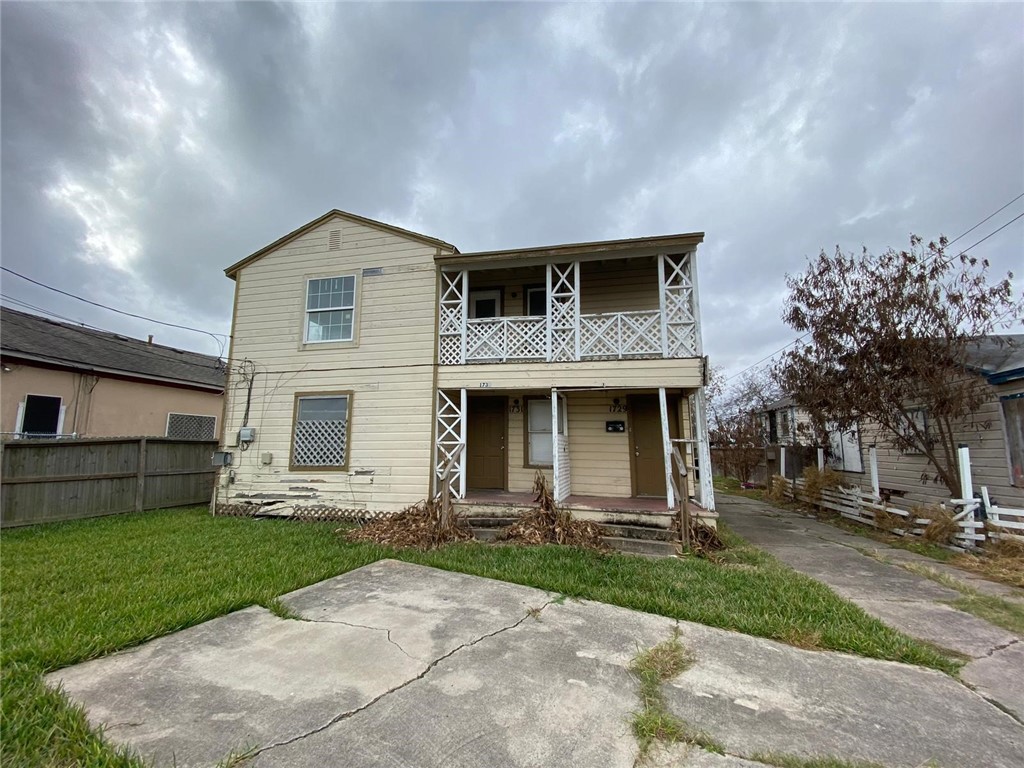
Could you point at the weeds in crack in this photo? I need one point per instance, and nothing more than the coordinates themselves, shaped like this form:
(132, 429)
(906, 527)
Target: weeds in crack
(282, 611)
(995, 610)
(236, 758)
(792, 761)
(653, 722)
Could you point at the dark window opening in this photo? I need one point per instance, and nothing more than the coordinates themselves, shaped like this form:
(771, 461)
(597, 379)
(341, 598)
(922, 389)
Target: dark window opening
(42, 416)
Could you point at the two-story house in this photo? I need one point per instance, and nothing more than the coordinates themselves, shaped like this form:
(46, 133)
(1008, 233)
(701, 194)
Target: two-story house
(370, 364)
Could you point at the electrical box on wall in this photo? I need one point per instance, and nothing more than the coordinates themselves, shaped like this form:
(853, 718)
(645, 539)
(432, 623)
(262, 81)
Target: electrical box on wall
(266, 458)
(221, 459)
(246, 434)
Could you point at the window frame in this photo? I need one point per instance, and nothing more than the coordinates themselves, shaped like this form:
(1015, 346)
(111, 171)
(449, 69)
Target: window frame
(167, 425)
(306, 311)
(1003, 399)
(527, 463)
(527, 290)
(498, 294)
(843, 433)
(347, 393)
(19, 423)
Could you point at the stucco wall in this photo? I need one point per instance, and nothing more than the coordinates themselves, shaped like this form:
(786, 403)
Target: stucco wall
(102, 406)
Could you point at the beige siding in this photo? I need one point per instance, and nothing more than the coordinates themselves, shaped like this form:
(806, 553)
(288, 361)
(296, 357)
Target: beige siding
(388, 368)
(612, 374)
(103, 406)
(620, 285)
(989, 467)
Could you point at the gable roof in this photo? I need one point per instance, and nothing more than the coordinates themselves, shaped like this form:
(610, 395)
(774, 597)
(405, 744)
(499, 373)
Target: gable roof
(1000, 358)
(373, 223)
(34, 338)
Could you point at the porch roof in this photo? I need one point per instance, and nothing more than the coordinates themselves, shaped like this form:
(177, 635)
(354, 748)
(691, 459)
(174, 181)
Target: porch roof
(636, 246)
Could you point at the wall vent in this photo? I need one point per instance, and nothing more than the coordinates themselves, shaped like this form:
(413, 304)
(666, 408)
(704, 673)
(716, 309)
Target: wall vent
(334, 240)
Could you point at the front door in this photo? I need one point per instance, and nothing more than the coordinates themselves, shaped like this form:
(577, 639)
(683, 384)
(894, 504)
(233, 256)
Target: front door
(485, 443)
(648, 457)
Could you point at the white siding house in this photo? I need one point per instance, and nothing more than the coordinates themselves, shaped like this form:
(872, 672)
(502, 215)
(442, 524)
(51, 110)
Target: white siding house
(369, 361)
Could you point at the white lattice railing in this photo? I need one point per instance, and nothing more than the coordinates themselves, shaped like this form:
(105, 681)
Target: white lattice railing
(615, 335)
(497, 339)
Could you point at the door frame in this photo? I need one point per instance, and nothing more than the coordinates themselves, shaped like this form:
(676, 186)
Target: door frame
(504, 427)
(672, 401)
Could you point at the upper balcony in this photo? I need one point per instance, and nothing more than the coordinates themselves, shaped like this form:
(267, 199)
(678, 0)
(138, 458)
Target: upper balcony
(619, 300)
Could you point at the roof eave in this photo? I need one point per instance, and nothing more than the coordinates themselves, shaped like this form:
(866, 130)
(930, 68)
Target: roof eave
(609, 248)
(233, 270)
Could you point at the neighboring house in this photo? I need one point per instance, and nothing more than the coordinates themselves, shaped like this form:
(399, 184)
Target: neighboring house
(64, 380)
(994, 434)
(378, 360)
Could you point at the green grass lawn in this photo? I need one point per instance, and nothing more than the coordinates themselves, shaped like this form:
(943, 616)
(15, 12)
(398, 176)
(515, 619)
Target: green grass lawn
(74, 591)
(732, 485)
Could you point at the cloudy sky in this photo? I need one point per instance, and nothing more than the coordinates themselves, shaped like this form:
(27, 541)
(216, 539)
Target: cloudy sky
(147, 147)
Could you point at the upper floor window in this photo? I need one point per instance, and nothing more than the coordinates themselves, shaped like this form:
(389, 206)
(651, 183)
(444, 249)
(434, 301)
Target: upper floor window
(330, 308)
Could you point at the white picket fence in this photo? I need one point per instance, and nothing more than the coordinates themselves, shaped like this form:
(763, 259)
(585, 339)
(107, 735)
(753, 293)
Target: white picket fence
(864, 507)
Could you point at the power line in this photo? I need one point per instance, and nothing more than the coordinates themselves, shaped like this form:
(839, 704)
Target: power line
(961, 253)
(212, 335)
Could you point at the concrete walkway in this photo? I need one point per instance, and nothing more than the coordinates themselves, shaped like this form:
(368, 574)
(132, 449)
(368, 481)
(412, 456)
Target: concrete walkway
(400, 665)
(869, 574)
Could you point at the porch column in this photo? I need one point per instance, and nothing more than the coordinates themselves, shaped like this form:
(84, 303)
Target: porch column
(452, 311)
(677, 296)
(563, 318)
(666, 443)
(450, 444)
(707, 488)
(562, 479)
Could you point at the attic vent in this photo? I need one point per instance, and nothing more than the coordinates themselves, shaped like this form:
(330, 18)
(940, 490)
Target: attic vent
(334, 240)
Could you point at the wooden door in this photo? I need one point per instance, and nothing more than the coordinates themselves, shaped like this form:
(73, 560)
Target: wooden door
(485, 443)
(647, 457)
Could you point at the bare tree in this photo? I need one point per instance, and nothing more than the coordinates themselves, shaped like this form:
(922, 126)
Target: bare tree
(891, 334)
(737, 428)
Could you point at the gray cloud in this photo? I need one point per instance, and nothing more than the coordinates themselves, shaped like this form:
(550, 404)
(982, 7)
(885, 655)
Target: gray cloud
(146, 147)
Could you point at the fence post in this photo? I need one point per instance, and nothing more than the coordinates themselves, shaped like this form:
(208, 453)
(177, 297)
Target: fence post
(873, 464)
(782, 460)
(140, 476)
(966, 485)
(821, 459)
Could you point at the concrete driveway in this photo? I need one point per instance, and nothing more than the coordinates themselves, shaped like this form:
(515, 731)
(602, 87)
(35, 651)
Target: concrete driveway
(401, 665)
(869, 574)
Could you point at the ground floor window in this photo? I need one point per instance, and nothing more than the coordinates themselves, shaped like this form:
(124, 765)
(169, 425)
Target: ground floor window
(540, 446)
(190, 426)
(40, 416)
(844, 448)
(1013, 418)
(320, 439)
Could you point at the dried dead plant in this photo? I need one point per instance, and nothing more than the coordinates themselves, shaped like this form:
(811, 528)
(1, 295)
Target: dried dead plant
(1001, 559)
(549, 523)
(890, 522)
(941, 527)
(818, 480)
(777, 489)
(421, 526)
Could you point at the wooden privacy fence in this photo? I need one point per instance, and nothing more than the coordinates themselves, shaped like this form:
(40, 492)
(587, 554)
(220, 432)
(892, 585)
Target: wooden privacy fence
(50, 480)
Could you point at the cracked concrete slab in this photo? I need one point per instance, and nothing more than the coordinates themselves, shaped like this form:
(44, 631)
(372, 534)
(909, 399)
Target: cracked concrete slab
(509, 687)
(989, 677)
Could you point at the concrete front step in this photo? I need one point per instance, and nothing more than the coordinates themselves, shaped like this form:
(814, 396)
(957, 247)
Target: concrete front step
(662, 520)
(642, 532)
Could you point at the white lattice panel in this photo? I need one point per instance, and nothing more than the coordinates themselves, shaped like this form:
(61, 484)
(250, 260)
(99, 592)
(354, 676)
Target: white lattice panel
(320, 443)
(620, 335)
(451, 318)
(563, 311)
(188, 426)
(450, 435)
(679, 320)
(485, 339)
(525, 338)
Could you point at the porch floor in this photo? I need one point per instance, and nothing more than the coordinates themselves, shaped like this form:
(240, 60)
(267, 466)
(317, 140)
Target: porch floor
(574, 501)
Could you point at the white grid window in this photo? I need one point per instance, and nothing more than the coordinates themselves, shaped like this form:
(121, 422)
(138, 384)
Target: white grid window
(541, 446)
(321, 432)
(330, 308)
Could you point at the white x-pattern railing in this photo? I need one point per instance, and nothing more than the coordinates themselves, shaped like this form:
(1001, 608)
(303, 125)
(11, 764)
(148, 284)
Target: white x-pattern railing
(618, 335)
(498, 339)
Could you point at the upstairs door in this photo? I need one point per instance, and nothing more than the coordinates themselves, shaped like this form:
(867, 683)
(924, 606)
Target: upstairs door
(484, 304)
(647, 459)
(485, 443)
